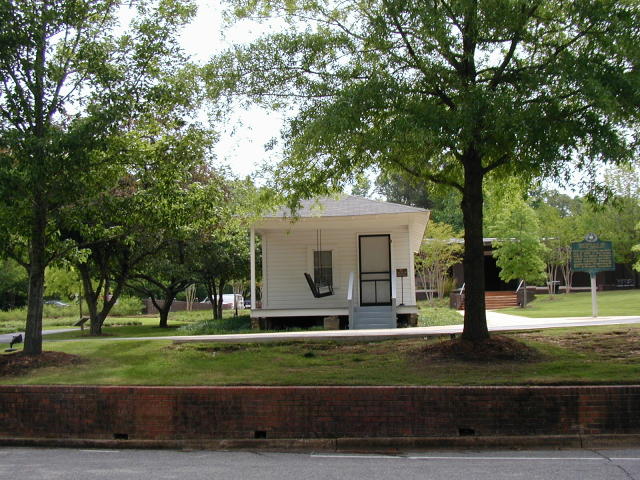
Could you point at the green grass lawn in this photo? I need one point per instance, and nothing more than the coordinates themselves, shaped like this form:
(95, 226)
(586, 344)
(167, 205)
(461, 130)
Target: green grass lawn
(437, 313)
(133, 325)
(578, 355)
(610, 303)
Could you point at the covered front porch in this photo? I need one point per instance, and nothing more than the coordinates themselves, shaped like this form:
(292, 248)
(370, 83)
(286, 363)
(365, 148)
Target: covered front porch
(353, 260)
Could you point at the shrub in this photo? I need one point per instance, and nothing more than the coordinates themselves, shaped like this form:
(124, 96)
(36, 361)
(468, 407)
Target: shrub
(214, 327)
(126, 306)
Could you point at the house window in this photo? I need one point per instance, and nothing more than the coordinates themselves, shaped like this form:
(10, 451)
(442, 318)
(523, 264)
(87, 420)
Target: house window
(322, 269)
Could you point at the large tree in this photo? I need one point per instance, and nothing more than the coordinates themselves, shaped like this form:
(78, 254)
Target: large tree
(68, 83)
(444, 90)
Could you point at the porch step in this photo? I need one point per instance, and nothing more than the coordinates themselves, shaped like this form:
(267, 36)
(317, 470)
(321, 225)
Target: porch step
(497, 300)
(373, 317)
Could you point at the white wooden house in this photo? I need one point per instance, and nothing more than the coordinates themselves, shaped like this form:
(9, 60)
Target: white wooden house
(357, 253)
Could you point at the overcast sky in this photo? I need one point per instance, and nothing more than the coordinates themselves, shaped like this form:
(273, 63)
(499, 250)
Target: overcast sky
(242, 140)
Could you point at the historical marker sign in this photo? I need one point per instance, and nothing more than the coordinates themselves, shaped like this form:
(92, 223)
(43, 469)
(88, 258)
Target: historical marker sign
(592, 255)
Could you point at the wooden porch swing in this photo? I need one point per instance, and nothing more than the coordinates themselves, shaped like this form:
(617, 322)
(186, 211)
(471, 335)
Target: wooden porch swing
(318, 289)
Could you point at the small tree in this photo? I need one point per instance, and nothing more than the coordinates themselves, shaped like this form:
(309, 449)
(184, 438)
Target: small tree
(439, 252)
(162, 277)
(220, 259)
(519, 252)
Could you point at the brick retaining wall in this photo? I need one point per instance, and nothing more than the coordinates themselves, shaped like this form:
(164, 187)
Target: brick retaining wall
(201, 413)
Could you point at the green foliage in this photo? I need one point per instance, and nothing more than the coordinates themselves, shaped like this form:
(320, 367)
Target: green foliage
(70, 86)
(616, 222)
(127, 306)
(447, 93)
(62, 282)
(405, 86)
(440, 250)
(444, 203)
(519, 252)
(362, 186)
(239, 324)
(13, 284)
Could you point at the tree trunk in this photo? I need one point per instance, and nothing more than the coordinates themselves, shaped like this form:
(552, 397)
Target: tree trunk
(37, 264)
(212, 293)
(96, 324)
(164, 316)
(219, 304)
(475, 320)
(38, 246)
(166, 308)
(91, 297)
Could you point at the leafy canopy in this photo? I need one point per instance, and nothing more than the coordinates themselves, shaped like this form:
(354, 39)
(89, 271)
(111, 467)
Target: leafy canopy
(412, 85)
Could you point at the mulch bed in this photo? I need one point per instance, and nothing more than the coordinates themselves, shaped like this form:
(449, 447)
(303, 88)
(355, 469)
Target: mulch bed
(18, 363)
(497, 347)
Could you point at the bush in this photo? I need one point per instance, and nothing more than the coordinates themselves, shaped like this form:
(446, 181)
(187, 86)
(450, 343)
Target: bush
(215, 327)
(126, 306)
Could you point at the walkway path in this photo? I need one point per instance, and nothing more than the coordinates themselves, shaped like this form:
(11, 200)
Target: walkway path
(6, 337)
(497, 322)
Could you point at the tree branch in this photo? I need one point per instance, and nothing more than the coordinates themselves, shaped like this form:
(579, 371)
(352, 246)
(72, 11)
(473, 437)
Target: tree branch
(503, 160)
(429, 176)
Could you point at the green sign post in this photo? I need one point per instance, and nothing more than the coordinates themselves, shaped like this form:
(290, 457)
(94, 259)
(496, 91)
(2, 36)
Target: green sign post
(592, 256)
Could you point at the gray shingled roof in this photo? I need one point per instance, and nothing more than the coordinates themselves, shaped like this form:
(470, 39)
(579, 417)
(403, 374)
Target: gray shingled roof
(345, 206)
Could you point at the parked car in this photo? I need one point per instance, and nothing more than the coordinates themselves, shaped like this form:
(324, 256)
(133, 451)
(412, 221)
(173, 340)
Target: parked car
(56, 303)
(227, 300)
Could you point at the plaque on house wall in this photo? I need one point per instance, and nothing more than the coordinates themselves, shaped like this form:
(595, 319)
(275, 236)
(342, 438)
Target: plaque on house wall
(401, 272)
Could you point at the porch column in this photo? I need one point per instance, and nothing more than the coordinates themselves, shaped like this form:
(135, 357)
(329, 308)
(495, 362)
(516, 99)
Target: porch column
(252, 250)
(411, 271)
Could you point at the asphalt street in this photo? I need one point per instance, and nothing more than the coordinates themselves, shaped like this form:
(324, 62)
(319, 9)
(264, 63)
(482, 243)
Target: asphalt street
(71, 464)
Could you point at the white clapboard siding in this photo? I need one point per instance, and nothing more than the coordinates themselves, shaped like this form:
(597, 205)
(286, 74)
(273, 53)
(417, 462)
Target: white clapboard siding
(288, 255)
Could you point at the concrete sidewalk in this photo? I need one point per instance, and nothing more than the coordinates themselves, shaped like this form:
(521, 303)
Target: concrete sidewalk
(497, 322)
(6, 337)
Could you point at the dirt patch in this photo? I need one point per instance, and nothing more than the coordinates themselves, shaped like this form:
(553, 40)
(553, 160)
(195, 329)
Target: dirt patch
(18, 363)
(495, 348)
(622, 344)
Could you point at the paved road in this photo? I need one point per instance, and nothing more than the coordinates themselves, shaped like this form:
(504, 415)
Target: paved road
(68, 464)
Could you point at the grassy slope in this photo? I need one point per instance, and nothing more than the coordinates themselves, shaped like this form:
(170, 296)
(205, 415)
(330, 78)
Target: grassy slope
(610, 303)
(159, 362)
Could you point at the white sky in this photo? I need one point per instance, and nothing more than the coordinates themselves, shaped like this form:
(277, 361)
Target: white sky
(242, 139)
